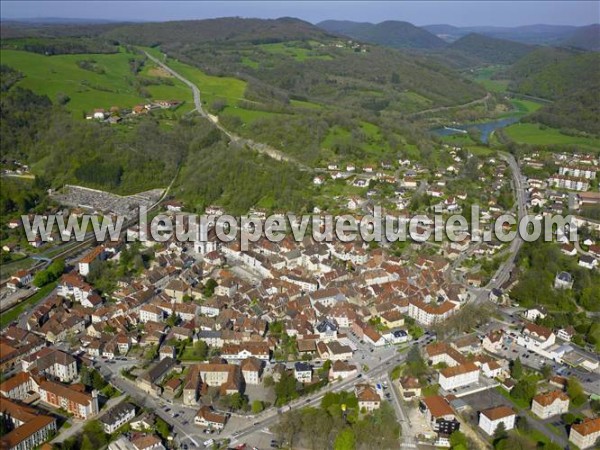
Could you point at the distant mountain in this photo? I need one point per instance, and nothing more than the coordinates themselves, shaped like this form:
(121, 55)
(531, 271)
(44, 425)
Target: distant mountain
(528, 34)
(390, 33)
(587, 38)
(491, 50)
(60, 21)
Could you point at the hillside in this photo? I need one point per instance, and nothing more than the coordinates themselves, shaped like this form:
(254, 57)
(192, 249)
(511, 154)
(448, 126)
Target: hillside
(490, 50)
(587, 38)
(390, 33)
(568, 78)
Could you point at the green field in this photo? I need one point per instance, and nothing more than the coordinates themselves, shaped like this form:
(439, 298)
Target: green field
(484, 77)
(51, 75)
(293, 50)
(211, 88)
(525, 106)
(530, 133)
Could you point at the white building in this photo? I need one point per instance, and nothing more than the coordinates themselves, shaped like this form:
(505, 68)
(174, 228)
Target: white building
(586, 434)
(491, 418)
(117, 417)
(303, 372)
(550, 404)
(458, 376)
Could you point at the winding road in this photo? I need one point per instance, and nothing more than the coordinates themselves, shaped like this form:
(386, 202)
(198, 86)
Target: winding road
(256, 146)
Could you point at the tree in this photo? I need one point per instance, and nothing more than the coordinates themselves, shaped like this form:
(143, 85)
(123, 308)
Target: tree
(458, 438)
(345, 440)
(575, 391)
(257, 406)
(209, 287)
(516, 371)
(500, 432)
(546, 371)
(162, 428)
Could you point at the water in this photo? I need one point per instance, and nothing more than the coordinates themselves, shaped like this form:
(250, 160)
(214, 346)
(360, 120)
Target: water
(485, 128)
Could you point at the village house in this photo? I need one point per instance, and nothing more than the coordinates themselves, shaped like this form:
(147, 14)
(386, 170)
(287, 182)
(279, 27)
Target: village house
(206, 417)
(89, 261)
(550, 404)
(585, 434)
(251, 370)
(439, 414)
(489, 419)
(458, 376)
(302, 372)
(368, 398)
(117, 416)
(341, 370)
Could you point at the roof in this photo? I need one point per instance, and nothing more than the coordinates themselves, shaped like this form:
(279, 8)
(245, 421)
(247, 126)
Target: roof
(438, 406)
(461, 369)
(67, 392)
(13, 382)
(21, 433)
(539, 330)
(550, 397)
(499, 412)
(588, 426)
(366, 393)
(92, 255)
(210, 416)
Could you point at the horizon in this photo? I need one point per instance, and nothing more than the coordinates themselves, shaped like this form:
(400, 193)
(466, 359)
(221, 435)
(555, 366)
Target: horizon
(481, 14)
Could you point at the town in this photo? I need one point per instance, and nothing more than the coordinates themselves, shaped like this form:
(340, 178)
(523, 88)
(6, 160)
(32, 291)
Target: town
(179, 345)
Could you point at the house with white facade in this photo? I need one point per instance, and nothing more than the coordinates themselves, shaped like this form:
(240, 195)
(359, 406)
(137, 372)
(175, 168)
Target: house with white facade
(489, 419)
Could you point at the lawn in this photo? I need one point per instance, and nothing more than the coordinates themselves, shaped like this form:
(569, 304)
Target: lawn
(11, 315)
(531, 133)
(87, 90)
(526, 106)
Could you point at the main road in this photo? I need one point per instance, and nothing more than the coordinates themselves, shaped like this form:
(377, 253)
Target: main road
(502, 275)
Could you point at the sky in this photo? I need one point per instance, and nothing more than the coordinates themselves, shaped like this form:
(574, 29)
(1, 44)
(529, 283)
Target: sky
(459, 13)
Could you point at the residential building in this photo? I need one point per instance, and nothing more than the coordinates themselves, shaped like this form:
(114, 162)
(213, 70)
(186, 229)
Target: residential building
(302, 372)
(81, 404)
(431, 313)
(251, 369)
(18, 387)
(206, 417)
(550, 404)
(585, 434)
(489, 419)
(439, 414)
(367, 396)
(458, 376)
(29, 428)
(117, 416)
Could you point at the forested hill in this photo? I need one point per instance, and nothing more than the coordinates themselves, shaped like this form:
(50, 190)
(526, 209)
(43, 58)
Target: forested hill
(228, 29)
(390, 33)
(491, 50)
(568, 78)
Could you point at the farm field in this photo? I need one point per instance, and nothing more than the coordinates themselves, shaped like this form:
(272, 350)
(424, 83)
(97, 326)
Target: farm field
(293, 50)
(87, 90)
(530, 133)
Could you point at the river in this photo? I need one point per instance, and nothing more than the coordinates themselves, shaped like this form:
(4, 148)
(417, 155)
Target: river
(485, 128)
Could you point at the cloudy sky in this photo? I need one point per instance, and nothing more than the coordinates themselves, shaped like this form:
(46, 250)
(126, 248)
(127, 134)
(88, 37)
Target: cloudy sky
(461, 13)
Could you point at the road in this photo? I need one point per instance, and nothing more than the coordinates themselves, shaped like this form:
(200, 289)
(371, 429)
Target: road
(502, 275)
(270, 416)
(256, 146)
(444, 108)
